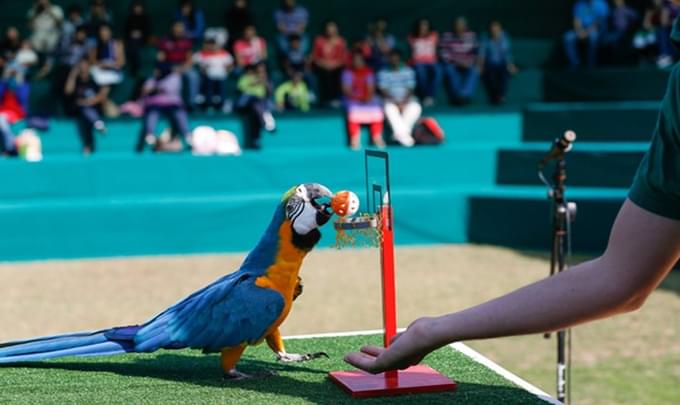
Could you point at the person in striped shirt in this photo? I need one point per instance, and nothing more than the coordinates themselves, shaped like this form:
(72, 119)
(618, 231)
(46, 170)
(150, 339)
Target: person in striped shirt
(458, 58)
(396, 84)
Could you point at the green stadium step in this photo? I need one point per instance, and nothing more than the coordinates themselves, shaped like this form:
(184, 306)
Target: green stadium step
(103, 227)
(297, 131)
(588, 165)
(611, 84)
(523, 222)
(592, 122)
(181, 175)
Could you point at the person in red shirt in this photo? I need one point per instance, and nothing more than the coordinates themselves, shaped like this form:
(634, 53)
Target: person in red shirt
(423, 43)
(363, 107)
(329, 56)
(250, 49)
(178, 51)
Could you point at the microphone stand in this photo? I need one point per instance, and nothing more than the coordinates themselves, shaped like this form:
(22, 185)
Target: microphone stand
(563, 212)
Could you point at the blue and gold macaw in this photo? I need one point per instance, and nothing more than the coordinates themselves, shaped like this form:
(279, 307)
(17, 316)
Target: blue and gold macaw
(241, 309)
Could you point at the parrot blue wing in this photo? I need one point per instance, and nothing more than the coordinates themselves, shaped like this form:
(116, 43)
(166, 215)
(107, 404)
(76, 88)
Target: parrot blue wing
(227, 313)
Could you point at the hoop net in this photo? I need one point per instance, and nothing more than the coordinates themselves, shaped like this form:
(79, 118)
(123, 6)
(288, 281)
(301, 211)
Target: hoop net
(364, 230)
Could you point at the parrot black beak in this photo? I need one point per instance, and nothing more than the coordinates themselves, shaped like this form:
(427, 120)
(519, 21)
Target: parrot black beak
(320, 198)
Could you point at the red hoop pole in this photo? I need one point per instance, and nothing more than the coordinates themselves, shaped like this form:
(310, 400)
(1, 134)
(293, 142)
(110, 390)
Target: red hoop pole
(388, 280)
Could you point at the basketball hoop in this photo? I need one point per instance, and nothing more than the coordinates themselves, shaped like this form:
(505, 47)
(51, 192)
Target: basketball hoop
(376, 229)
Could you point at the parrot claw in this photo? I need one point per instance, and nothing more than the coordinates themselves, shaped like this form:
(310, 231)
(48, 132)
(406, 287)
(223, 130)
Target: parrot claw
(298, 358)
(235, 375)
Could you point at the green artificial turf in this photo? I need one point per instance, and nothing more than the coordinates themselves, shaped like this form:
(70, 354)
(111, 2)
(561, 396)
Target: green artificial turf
(186, 376)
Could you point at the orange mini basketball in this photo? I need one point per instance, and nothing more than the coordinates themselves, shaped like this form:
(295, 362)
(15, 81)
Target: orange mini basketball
(345, 203)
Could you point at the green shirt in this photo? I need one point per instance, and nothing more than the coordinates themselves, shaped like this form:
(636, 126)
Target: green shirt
(298, 95)
(252, 85)
(656, 186)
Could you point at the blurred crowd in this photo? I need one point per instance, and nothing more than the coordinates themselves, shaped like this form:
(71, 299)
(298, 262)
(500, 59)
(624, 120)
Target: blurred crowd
(374, 79)
(617, 31)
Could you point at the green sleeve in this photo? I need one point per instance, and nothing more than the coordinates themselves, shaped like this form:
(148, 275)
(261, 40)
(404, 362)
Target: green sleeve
(656, 186)
(280, 94)
(304, 100)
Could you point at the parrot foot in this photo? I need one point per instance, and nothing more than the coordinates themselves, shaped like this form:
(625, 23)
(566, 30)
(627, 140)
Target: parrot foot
(235, 375)
(298, 358)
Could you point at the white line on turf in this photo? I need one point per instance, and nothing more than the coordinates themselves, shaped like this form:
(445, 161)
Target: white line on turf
(460, 347)
(485, 361)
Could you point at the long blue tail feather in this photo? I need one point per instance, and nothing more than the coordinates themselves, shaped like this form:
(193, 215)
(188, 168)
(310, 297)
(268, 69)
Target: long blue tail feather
(100, 343)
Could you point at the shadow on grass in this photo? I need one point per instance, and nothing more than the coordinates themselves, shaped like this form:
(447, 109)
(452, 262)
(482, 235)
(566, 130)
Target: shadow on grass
(315, 388)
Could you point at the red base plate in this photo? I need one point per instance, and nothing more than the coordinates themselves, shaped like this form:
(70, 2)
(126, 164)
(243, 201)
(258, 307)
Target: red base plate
(416, 379)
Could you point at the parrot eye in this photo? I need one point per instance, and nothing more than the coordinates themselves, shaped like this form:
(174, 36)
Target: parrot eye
(301, 191)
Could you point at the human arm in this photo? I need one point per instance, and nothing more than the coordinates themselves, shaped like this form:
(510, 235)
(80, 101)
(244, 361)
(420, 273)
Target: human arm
(643, 247)
(70, 86)
(280, 95)
(98, 98)
(119, 54)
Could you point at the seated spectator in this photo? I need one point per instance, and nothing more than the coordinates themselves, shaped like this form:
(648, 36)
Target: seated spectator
(74, 19)
(68, 55)
(293, 94)
(589, 22)
(214, 63)
(291, 19)
(236, 19)
(193, 19)
(361, 104)
(137, 33)
(12, 110)
(496, 63)
(89, 98)
(623, 19)
(329, 56)
(162, 95)
(296, 60)
(9, 46)
(15, 73)
(423, 43)
(652, 41)
(253, 103)
(177, 49)
(381, 44)
(458, 56)
(98, 15)
(44, 20)
(107, 58)
(250, 49)
(397, 83)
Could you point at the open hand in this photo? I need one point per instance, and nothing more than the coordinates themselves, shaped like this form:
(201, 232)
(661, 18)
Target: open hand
(406, 349)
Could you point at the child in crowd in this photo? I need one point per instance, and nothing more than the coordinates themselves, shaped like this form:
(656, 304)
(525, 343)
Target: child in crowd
(214, 63)
(253, 102)
(293, 94)
(361, 103)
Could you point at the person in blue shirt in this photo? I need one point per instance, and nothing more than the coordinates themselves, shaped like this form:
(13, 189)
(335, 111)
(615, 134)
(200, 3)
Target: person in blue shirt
(590, 22)
(495, 62)
(193, 19)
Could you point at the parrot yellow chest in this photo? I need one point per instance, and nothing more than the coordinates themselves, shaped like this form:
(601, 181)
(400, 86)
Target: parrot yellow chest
(282, 275)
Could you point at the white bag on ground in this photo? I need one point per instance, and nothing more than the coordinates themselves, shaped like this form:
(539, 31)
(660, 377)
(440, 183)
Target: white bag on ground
(206, 141)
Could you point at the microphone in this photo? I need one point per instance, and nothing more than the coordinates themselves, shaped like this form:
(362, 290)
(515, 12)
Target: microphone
(559, 147)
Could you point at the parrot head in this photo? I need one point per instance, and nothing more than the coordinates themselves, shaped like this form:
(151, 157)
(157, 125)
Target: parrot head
(308, 207)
